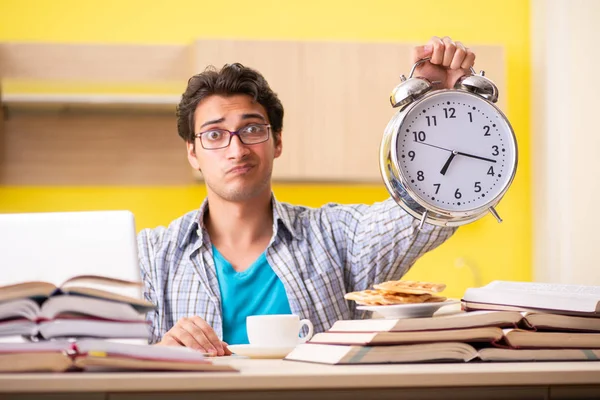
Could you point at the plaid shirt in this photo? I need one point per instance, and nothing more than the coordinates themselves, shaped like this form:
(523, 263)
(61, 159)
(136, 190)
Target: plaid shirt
(318, 253)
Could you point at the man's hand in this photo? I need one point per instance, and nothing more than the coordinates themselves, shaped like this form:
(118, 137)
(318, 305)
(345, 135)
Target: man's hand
(195, 333)
(449, 61)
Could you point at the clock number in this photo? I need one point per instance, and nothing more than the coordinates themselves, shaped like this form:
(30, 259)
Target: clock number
(411, 154)
(437, 189)
(430, 119)
(449, 112)
(419, 136)
(491, 171)
(487, 131)
(496, 152)
(477, 187)
(457, 194)
(420, 176)
(470, 117)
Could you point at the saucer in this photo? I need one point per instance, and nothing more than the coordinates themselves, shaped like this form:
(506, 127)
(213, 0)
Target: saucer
(418, 310)
(254, 351)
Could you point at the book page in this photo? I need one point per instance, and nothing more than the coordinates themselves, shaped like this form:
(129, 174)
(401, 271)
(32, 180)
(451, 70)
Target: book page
(59, 306)
(101, 362)
(24, 308)
(140, 304)
(547, 288)
(84, 280)
(572, 298)
(33, 289)
(147, 352)
(102, 284)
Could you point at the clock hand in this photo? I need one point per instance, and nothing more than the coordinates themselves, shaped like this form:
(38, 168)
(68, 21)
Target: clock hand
(445, 167)
(437, 147)
(477, 157)
(458, 152)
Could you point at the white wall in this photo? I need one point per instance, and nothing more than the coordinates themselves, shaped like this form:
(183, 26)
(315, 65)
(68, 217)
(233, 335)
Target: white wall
(566, 140)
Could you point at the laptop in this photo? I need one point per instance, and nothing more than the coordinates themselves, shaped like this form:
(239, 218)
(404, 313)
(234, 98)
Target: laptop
(56, 246)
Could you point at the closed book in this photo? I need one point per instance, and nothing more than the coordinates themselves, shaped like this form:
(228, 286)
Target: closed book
(429, 352)
(483, 334)
(93, 354)
(532, 296)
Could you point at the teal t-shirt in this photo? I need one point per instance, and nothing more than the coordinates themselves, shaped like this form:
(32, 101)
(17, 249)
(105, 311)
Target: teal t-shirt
(255, 291)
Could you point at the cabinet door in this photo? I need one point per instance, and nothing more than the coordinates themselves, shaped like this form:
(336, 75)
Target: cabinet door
(335, 96)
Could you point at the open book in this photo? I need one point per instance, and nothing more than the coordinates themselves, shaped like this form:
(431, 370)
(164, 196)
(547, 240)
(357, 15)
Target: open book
(517, 338)
(449, 321)
(75, 327)
(91, 354)
(512, 338)
(83, 295)
(482, 334)
(472, 319)
(529, 296)
(430, 352)
(94, 286)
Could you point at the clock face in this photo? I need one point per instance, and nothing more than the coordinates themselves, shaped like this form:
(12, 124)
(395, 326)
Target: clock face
(456, 151)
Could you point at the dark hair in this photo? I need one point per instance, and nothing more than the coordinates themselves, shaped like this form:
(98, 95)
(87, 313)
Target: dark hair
(230, 80)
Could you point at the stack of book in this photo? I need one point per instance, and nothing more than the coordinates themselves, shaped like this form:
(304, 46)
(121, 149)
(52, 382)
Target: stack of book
(83, 306)
(520, 322)
(85, 323)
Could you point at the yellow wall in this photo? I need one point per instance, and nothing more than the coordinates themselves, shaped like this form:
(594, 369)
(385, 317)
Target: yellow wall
(477, 254)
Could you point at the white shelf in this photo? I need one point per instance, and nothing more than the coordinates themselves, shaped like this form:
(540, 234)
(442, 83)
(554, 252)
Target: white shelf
(90, 99)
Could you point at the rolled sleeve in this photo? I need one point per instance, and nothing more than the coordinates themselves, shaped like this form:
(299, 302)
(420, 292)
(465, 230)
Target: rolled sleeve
(148, 273)
(384, 241)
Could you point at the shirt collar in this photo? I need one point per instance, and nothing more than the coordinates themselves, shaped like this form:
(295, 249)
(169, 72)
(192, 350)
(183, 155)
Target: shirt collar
(280, 214)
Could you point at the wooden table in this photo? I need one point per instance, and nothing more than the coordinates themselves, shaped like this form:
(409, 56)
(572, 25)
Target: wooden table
(276, 379)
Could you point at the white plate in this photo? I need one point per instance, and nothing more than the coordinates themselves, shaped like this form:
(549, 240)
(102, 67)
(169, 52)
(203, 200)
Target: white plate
(254, 351)
(408, 310)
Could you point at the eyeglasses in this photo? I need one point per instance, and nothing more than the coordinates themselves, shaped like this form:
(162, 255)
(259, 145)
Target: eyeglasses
(220, 138)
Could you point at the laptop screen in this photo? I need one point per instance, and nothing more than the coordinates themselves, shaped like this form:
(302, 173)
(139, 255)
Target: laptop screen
(54, 247)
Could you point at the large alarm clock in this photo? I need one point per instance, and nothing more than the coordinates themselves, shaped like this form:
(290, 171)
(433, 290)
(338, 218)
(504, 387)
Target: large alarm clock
(448, 156)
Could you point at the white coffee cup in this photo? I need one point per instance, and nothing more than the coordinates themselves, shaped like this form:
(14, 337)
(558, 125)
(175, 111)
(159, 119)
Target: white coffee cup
(277, 330)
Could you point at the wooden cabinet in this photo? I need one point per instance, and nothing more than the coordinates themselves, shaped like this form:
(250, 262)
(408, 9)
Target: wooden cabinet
(335, 96)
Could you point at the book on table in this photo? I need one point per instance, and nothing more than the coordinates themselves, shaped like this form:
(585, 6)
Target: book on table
(460, 337)
(531, 296)
(430, 352)
(93, 354)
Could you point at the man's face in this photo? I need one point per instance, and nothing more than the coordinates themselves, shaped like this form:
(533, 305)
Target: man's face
(238, 172)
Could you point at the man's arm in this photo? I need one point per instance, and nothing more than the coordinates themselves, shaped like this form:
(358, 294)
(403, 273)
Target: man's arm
(379, 242)
(383, 241)
(193, 332)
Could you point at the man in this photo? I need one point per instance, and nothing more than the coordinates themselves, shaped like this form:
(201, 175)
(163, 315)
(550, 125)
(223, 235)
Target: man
(244, 253)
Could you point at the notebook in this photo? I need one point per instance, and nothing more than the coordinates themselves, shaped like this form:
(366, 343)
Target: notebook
(56, 246)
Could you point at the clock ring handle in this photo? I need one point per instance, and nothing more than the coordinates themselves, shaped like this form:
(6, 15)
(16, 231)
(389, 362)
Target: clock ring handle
(423, 60)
